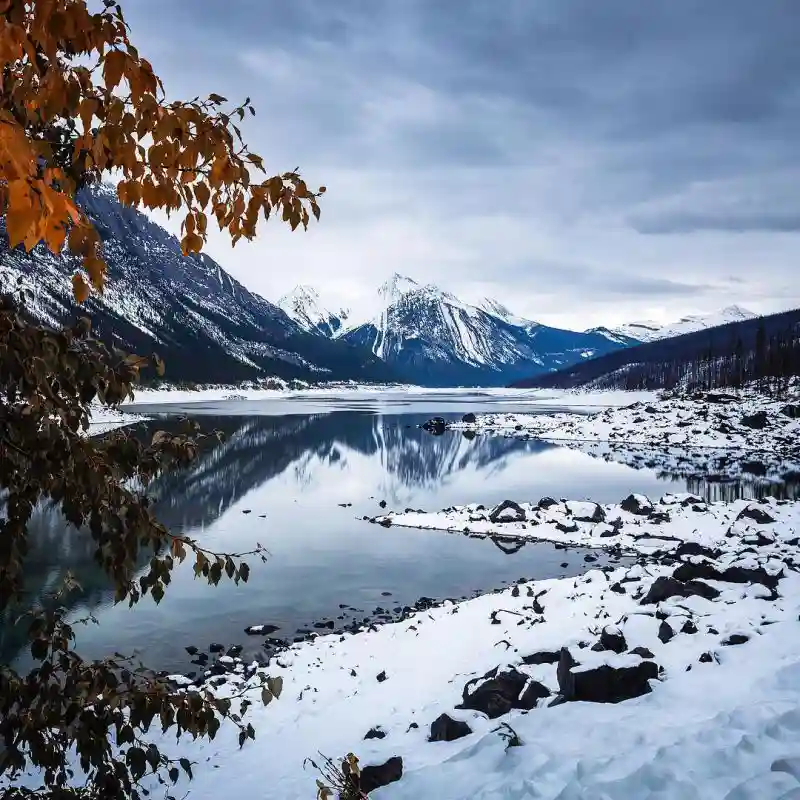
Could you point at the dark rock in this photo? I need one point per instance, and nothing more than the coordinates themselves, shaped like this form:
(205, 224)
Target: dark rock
(720, 397)
(691, 500)
(650, 410)
(547, 502)
(689, 627)
(327, 624)
(375, 733)
(665, 587)
(373, 777)
(612, 639)
(495, 696)
(735, 638)
(564, 564)
(689, 571)
(618, 588)
(791, 410)
(572, 528)
(216, 647)
(532, 693)
(706, 658)
(246, 511)
(261, 630)
(694, 549)
(469, 418)
(500, 513)
(192, 650)
(638, 505)
(757, 421)
(543, 657)
(598, 515)
(604, 684)
(758, 515)
(665, 632)
(234, 650)
(643, 652)
(436, 426)
(380, 677)
(447, 729)
(589, 558)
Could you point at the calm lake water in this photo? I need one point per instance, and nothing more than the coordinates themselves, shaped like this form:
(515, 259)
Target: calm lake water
(280, 478)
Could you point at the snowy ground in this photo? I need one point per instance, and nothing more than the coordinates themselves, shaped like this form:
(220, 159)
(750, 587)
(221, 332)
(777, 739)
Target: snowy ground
(751, 436)
(583, 400)
(722, 659)
(105, 419)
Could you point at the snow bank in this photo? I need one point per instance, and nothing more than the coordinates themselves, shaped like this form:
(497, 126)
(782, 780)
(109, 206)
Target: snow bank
(750, 435)
(713, 623)
(103, 419)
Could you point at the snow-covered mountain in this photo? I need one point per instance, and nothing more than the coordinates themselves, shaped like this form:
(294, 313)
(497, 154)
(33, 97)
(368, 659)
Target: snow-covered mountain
(436, 339)
(648, 331)
(303, 305)
(204, 323)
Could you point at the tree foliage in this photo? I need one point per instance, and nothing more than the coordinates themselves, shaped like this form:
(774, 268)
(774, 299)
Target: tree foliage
(77, 101)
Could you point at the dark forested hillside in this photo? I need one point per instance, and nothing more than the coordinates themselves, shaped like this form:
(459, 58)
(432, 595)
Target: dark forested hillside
(727, 356)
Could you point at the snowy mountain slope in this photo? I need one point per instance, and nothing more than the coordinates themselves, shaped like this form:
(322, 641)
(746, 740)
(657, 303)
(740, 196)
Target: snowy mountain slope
(303, 305)
(437, 339)
(649, 331)
(206, 325)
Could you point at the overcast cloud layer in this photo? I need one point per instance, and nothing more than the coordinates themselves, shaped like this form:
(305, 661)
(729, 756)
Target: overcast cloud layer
(584, 162)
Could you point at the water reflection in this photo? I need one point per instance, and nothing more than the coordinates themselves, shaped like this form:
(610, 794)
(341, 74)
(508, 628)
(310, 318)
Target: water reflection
(307, 479)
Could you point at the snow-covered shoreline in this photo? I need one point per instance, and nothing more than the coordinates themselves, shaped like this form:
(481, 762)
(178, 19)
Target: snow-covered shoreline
(701, 635)
(719, 435)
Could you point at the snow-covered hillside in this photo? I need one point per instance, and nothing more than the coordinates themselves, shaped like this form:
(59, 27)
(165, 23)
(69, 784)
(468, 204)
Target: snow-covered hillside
(649, 331)
(303, 305)
(435, 338)
(204, 323)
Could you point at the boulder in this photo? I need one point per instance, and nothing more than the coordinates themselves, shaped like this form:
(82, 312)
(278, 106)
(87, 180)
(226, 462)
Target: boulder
(689, 571)
(447, 729)
(588, 513)
(261, 630)
(643, 652)
(791, 410)
(604, 684)
(543, 657)
(665, 632)
(611, 638)
(757, 421)
(531, 694)
(435, 425)
(720, 397)
(469, 418)
(373, 777)
(497, 695)
(508, 511)
(637, 504)
(547, 502)
(758, 515)
(735, 638)
(665, 587)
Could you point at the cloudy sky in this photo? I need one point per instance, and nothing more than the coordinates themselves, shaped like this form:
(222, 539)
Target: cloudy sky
(584, 162)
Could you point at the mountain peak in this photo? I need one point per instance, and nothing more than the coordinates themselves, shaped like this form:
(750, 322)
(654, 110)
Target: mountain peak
(303, 305)
(395, 287)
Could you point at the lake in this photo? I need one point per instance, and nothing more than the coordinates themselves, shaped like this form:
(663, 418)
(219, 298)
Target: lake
(297, 477)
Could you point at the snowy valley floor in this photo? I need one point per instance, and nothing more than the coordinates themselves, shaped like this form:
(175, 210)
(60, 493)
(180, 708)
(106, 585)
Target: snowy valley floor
(678, 677)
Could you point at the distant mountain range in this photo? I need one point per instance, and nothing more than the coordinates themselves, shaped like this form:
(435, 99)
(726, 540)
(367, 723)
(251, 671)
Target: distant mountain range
(204, 323)
(209, 328)
(652, 331)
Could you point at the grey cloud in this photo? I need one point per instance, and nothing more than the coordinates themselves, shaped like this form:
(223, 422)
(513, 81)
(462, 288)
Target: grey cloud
(585, 123)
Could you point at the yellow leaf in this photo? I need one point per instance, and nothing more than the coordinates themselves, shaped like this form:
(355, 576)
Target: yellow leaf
(113, 68)
(80, 288)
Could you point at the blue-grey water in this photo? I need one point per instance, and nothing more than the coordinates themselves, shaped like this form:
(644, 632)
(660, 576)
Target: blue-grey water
(297, 479)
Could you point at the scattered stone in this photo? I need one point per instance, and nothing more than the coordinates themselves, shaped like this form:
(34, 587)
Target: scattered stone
(757, 421)
(643, 652)
(447, 729)
(758, 515)
(604, 684)
(375, 733)
(637, 504)
(547, 502)
(192, 650)
(571, 528)
(469, 418)
(735, 638)
(508, 511)
(597, 515)
(216, 647)
(706, 658)
(665, 587)
(436, 426)
(501, 692)
(381, 677)
(234, 650)
(611, 638)
(373, 777)
(543, 657)
(665, 632)
(261, 630)
(689, 627)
